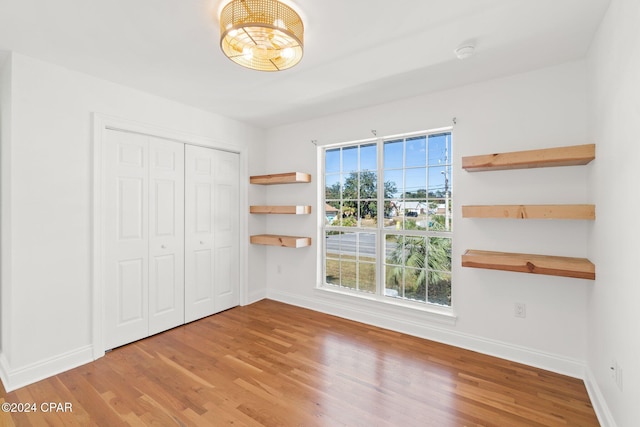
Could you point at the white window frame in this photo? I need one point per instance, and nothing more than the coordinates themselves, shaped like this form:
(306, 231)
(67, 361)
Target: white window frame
(379, 230)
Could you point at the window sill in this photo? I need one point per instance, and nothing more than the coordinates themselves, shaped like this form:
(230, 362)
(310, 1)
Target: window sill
(389, 306)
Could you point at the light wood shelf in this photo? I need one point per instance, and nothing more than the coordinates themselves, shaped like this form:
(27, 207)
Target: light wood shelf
(587, 212)
(547, 157)
(580, 268)
(286, 210)
(273, 239)
(281, 178)
(278, 240)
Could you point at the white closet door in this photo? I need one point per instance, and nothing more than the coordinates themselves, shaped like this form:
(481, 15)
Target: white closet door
(126, 238)
(211, 221)
(144, 236)
(226, 244)
(166, 235)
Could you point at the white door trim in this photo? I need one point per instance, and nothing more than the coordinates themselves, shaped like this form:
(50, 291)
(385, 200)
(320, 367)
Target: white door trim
(102, 122)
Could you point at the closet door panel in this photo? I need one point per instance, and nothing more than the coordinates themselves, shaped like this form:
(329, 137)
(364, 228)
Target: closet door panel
(130, 291)
(203, 276)
(202, 205)
(126, 264)
(166, 235)
(212, 236)
(199, 256)
(226, 230)
(163, 298)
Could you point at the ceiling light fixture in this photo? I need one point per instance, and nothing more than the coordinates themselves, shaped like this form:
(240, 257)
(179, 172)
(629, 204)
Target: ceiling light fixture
(264, 35)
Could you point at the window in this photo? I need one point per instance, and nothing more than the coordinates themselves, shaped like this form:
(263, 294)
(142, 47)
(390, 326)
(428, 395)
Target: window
(388, 224)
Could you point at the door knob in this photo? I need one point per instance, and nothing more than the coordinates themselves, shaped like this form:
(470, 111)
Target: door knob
(163, 246)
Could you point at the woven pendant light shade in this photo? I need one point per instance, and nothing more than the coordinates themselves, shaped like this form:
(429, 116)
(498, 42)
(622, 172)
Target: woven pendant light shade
(263, 35)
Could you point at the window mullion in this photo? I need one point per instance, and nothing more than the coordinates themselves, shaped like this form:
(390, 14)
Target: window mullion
(356, 234)
(323, 226)
(380, 240)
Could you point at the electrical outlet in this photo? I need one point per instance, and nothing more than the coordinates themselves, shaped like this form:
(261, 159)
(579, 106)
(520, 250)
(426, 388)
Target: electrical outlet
(616, 373)
(612, 369)
(520, 310)
(279, 269)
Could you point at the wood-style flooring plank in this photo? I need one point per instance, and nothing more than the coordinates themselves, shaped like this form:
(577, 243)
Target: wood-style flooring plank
(272, 364)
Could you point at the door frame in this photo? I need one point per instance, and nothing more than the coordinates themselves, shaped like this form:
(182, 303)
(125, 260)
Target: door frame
(102, 123)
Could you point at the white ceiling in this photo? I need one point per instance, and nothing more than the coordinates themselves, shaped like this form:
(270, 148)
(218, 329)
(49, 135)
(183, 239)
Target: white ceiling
(357, 52)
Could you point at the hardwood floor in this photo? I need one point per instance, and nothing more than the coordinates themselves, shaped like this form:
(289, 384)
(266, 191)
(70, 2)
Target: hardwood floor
(271, 364)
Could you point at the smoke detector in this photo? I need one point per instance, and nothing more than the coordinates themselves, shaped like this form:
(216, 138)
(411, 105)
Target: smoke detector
(464, 51)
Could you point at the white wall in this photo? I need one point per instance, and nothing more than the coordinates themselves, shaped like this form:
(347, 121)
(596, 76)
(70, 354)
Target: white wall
(5, 171)
(543, 108)
(257, 223)
(50, 192)
(614, 306)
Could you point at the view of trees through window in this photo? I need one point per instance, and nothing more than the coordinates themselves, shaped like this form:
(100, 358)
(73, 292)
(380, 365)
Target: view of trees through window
(388, 217)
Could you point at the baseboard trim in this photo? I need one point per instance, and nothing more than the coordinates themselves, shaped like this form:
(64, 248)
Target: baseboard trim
(597, 400)
(4, 370)
(547, 361)
(17, 378)
(256, 296)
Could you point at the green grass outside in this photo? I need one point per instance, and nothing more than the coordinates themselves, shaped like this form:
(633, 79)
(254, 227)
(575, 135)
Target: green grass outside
(343, 272)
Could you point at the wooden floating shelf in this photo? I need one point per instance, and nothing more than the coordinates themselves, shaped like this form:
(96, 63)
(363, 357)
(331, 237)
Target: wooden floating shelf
(284, 241)
(281, 178)
(286, 210)
(548, 157)
(580, 268)
(587, 212)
